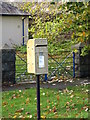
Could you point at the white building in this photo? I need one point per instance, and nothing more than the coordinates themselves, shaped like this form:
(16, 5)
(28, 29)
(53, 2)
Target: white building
(13, 25)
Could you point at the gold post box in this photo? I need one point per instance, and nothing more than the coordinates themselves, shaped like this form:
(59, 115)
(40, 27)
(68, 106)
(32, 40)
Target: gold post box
(37, 56)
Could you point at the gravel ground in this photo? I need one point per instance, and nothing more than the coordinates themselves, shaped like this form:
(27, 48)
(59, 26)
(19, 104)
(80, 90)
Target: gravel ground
(54, 84)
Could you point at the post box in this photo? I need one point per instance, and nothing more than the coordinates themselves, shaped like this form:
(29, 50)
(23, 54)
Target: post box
(37, 56)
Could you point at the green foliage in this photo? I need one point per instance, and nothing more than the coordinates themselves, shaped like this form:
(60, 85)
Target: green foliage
(22, 49)
(58, 22)
(85, 50)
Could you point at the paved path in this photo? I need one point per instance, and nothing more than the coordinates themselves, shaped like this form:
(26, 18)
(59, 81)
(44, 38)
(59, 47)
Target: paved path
(50, 84)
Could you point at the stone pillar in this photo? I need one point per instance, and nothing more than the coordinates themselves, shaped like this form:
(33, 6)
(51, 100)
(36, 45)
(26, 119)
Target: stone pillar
(0, 71)
(8, 64)
(85, 65)
(82, 63)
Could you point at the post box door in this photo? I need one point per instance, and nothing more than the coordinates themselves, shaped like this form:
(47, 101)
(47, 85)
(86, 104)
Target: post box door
(41, 57)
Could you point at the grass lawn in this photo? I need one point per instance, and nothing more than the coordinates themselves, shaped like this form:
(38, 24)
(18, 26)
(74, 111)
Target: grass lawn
(72, 102)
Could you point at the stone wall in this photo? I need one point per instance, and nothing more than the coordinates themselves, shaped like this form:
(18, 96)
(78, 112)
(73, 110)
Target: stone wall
(8, 65)
(82, 63)
(85, 65)
(0, 71)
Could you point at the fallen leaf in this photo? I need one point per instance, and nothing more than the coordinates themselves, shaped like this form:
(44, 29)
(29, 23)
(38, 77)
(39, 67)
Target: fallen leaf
(58, 97)
(76, 108)
(43, 94)
(12, 105)
(87, 90)
(13, 96)
(21, 116)
(4, 103)
(76, 115)
(27, 100)
(56, 116)
(55, 103)
(48, 101)
(86, 109)
(54, 109)
(71, 96)
(15, 116)
(20, 110)
(43, 117)
(20, 91)
(68, 109)
(47, 94)
(73, 104)
(30, 116)
(67, 103)
(35, 114)
(27, 113)
(35, 99)
(53, 84)
(50, 110)
(48, 107)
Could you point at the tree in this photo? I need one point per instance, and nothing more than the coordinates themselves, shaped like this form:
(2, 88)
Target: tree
(60, 23)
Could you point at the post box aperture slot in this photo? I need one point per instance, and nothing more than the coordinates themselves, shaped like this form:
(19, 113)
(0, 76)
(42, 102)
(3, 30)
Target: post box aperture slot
(41, 45)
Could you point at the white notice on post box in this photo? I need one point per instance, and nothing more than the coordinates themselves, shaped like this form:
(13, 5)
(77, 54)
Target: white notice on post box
(41, 61)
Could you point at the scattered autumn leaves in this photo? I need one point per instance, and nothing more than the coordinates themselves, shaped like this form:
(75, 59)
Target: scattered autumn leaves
(65, 102)
(54, 103)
